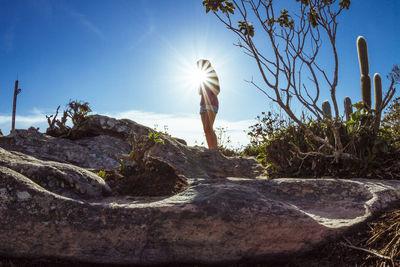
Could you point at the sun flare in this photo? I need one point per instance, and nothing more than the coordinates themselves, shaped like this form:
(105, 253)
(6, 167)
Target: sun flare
(197, 76)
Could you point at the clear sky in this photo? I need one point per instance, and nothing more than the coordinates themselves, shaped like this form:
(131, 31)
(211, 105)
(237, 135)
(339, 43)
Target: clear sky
(127, 58)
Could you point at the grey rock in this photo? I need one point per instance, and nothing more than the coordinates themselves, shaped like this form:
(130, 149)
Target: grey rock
(50, 174)
(98, 152)
(109, 141)
(214, 221)
(52, 206)
(23, 195)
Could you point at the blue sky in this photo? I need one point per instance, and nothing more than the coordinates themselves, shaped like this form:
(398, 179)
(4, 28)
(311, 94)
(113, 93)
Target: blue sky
(127, 59)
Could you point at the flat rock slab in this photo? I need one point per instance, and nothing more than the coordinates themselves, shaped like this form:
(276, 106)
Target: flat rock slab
(213, 221)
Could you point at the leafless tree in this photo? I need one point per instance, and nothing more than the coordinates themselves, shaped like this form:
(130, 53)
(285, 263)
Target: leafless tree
(294, 72)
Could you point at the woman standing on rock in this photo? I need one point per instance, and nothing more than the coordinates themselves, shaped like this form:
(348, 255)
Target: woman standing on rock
(209, 89)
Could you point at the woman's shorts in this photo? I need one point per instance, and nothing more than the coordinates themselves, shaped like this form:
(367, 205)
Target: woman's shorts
(203, 108)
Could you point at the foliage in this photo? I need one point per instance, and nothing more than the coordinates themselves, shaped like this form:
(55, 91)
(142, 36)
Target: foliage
(392, 118)
(296, 74)
(155, 137)
(141, 149)
(224, 143)
(77, 112)
(215, 5)
(286, 151)
(102, 173)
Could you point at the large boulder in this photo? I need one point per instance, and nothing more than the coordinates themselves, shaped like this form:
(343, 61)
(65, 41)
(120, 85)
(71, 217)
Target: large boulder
(214, 221)
(63, 179)
(97, 152)
(51, 205)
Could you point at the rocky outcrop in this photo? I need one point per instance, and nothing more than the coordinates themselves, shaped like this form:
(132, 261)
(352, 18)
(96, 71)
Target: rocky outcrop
(63, 179)
(223, 210)
(98, 152)
(213, 221)
(109, 141)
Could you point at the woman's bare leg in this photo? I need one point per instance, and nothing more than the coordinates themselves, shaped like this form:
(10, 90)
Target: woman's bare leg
(208, 118)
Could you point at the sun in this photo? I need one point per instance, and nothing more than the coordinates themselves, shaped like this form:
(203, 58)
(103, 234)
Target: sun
(197, 77)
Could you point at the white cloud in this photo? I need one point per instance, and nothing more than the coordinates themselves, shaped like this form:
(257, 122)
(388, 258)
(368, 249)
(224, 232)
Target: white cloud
(185, 126)
(23, 122)
(188, 127)
(84, 21)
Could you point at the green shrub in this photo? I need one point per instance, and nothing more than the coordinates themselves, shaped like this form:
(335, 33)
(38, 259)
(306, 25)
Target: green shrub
(77, 112)
(285, 150)
(392, 118)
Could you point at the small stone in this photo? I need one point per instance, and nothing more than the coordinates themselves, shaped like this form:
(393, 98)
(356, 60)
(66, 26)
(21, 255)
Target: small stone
(23, 195)
(51, 183)
(3, 193)
(82, 190)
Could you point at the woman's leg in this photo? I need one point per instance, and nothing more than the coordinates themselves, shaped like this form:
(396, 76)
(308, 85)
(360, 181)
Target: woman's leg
(208, 118)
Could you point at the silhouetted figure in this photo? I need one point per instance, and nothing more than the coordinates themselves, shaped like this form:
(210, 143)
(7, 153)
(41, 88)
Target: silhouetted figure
(209, 89)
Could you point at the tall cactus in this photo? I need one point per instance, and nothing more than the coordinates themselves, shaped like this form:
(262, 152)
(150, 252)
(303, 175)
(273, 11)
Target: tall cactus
(378, 99)
(326, 109)
(364, 69)
(348, 108)
(366, 81)
(16, 92)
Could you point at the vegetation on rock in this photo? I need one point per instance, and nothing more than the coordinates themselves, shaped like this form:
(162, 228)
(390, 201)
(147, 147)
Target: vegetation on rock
(321, 143)
(77, 112)
(140, 174)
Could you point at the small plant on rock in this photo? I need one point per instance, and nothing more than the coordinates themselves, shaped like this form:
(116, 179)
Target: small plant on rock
(101, 173)
(141, 149)
(224, 143)
(77, 112)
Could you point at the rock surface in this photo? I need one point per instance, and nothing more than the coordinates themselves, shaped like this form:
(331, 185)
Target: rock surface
(60, 178)
(109, 142)
(93, 152)
(218, 218)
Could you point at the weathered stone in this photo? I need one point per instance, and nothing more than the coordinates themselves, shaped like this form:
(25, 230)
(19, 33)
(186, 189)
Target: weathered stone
(23, 195)
(49, 174)
(214, 221)
(56, 208)
(109, 142)
(1, 133)
(183, 142)
(99, 152)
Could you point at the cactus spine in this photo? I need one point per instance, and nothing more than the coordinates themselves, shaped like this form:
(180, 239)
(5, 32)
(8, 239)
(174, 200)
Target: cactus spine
(326, 109)
(348, 108)
(364, 69)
